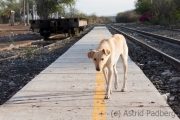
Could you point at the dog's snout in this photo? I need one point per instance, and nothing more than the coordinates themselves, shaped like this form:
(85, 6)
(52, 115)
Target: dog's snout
(97, 69)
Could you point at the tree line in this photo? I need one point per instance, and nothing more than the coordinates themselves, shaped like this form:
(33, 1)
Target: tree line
(44, 9)
(163, 12)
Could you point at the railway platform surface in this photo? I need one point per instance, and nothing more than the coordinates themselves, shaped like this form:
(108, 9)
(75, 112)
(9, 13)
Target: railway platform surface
(71, 89)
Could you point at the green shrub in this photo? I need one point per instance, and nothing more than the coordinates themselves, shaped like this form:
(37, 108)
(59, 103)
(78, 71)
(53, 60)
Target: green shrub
(164, 22)
(127, 17)
(155, 21)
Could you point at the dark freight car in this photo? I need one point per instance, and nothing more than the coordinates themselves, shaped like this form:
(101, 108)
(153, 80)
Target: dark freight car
(59, 26)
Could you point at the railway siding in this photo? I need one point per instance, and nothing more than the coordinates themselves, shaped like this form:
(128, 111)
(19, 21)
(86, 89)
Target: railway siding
(169, 39)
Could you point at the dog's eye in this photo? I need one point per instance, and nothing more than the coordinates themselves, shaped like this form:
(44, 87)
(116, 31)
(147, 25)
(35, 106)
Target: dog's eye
(102, 58)
(94, 59)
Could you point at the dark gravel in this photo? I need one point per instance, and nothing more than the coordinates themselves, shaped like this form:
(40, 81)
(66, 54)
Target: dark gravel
(20, 37)
(165, 77)
(16, 73)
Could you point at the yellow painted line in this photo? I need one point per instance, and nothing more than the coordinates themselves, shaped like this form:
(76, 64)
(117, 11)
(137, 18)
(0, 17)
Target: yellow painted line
(99, 108)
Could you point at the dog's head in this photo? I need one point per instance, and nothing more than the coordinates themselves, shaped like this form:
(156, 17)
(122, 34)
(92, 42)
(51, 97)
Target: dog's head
(99, 58)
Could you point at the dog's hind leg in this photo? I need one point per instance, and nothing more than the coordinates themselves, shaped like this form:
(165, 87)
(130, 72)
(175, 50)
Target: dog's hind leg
(124, 61)
(116, 84)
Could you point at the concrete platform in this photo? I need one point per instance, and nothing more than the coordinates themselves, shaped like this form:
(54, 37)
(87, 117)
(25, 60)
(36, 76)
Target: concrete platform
(68, 90)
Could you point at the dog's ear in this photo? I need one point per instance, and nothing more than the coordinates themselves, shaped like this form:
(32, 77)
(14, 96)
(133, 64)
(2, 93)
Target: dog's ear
(90, 54)
(106, 52)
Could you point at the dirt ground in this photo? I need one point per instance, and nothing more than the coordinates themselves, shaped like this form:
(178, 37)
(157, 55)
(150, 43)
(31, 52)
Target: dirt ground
(6, 29)
(16, 36)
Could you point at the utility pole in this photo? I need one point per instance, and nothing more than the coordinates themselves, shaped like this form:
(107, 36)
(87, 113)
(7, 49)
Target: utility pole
(24, 19)
(27, 7)
(43, 14)
(35, 7)
(57, 15)
(33, 11)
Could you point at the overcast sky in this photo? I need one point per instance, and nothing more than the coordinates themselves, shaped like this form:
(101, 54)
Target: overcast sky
(104, 7)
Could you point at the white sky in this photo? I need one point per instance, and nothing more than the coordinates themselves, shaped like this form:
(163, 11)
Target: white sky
(104, 7)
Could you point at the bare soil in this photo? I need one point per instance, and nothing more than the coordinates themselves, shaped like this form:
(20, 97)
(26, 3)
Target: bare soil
(6, 29)
(16, 35)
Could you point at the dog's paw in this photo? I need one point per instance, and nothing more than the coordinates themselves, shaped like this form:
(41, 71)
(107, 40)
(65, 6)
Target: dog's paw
(107, 97)
(116, 85)
(110, 92)
(123, 90)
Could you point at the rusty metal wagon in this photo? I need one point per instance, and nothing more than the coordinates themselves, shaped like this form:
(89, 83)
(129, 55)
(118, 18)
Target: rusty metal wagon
(59, 26)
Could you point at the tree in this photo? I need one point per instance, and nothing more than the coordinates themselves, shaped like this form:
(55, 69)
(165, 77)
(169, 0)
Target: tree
(175, 13)
(47, 7)
(6, 7)
(157, 9)
(127, 17)
(73, 12)
(93, 18)
(143, 6)
(162, 8)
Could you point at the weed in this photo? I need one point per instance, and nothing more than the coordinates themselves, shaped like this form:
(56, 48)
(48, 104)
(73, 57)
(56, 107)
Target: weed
(11, 40)
(29, 52)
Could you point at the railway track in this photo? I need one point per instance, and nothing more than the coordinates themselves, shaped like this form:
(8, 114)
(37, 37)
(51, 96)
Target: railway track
(158, 30)
(169, 39)
(172, 60)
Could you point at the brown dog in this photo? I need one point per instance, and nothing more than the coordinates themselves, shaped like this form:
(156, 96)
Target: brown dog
(105, 58)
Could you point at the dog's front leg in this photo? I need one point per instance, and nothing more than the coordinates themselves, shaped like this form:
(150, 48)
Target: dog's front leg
(105, 72)
(108, 89)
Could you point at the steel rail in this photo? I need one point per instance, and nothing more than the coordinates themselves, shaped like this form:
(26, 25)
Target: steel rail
(165, 56)
(169, 39)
